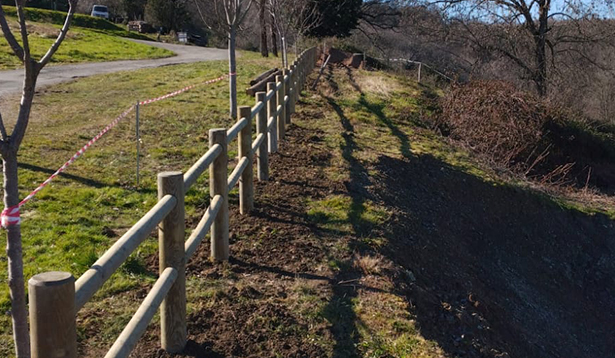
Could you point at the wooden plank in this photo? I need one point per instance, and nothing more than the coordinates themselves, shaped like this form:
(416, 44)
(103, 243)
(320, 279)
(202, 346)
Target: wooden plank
(262, 85)
(263, 76)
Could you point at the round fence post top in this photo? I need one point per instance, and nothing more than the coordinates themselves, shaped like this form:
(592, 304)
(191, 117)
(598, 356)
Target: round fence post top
(169, 174)
(217, 130)
(52, 278)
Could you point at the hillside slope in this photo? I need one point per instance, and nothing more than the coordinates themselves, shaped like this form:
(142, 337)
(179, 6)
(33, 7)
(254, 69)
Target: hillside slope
(375, 239)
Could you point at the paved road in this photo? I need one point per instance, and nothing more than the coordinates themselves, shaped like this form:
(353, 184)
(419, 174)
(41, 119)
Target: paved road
(11, 80)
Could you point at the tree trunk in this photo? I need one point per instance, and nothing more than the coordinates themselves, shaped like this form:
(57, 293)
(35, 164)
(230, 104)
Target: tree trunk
(14, 249)
(232, 63)
(15, 260)
(274, 38)
(540, 40)
(263, 21)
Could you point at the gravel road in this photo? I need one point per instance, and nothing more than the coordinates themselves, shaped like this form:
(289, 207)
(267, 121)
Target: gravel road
(11, 80)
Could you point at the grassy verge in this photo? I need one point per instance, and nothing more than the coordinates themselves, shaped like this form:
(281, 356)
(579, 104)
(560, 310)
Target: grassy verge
(83, 44)
(80, 215)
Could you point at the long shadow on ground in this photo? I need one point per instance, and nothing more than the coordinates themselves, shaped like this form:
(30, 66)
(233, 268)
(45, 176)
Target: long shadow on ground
(500, 271)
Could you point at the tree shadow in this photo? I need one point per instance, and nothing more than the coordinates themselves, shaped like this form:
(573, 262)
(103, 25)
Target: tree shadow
(499, 271)
(86, 181)
(378, 110)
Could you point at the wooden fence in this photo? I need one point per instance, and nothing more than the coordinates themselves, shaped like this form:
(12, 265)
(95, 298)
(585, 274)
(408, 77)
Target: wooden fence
(56, 298)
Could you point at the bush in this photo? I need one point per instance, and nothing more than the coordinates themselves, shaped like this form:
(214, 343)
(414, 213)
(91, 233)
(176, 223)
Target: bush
(528, 135)
(494, 119)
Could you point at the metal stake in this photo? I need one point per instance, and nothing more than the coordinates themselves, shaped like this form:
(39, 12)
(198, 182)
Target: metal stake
(138, 143)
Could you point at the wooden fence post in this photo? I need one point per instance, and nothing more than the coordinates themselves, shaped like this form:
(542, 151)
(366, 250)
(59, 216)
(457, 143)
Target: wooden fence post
(273, 106)
(261, 128)
(287, 107)
(171, 236)
(246, 184)
(218, 185)
(281, 120)
(53, 330)
(293, 75)
(295, 83)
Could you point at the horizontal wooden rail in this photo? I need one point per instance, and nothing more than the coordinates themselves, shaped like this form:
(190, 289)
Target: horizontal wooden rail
(269, 95)
(93, 279)
(203, 227)
(270, 124)
(201, 166)
(257, 142)
(257, 108)
(233, 179)
(131, 334)
(232, 133)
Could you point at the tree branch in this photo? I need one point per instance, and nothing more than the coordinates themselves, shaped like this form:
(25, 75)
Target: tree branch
(20, 4)
(52, 50)
(10, 38)
(5, 136)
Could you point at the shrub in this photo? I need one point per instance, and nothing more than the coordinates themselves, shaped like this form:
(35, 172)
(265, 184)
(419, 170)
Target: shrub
(519, 131)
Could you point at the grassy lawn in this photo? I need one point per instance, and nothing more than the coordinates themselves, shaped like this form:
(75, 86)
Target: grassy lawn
(83, 44)
(80, 215)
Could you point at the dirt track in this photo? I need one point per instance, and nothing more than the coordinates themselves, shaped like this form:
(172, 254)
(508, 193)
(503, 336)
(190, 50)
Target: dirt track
(11, 80)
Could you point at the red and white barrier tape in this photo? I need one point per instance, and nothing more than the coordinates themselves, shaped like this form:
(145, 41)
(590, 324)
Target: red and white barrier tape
(11, 216)
(173, 94)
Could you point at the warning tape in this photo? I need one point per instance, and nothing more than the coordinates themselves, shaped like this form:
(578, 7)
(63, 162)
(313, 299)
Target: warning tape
(173, 94)
(11, 216)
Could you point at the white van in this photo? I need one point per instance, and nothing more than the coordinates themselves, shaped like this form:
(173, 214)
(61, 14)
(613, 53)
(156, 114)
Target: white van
(100, 11)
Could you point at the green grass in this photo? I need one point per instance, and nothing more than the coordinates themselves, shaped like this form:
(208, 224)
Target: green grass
(82, 44)
(73, 221)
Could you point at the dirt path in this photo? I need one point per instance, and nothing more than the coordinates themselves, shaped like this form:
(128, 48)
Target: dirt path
(11, 80)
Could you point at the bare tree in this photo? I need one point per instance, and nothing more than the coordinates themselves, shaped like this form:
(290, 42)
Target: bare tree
(293, 18)
(230, 15)
(9, 147)
(531, 34)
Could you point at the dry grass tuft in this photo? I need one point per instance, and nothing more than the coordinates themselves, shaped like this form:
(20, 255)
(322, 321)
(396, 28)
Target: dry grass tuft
(371, 264)
(379, 85)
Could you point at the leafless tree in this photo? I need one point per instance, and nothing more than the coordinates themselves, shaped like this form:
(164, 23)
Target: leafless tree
(293, 18)
(531, 34)
(9, 147)
(229, 14)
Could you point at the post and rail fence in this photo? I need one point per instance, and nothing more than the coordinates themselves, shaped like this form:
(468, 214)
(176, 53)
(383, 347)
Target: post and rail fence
(56, 297)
